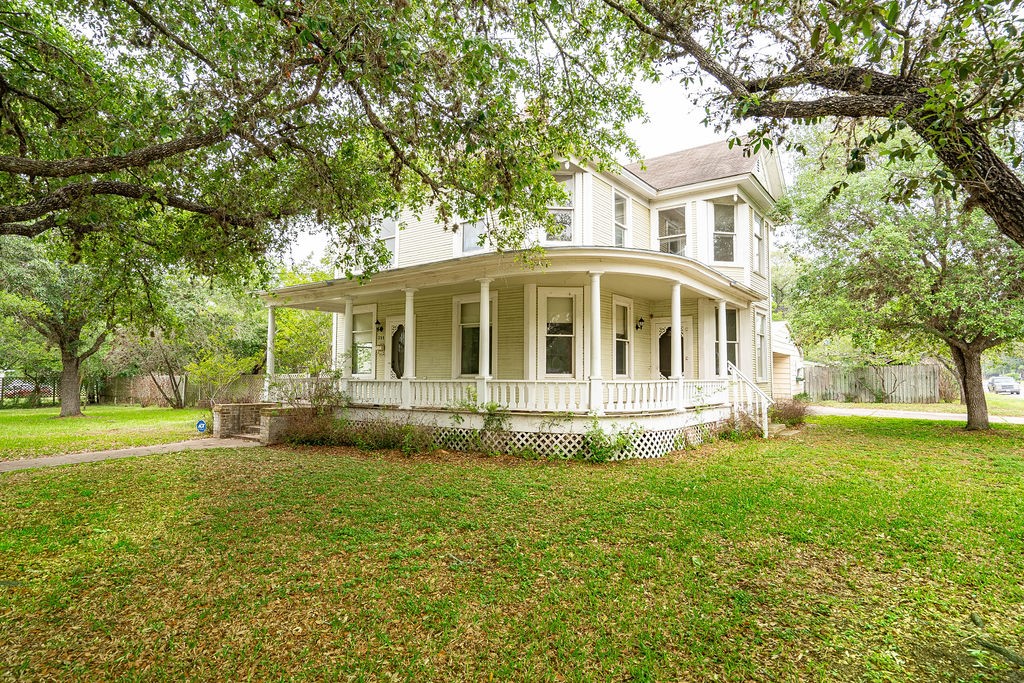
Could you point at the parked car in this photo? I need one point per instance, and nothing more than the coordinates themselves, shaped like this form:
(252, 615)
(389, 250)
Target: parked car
(20, 388)
(1003, 385)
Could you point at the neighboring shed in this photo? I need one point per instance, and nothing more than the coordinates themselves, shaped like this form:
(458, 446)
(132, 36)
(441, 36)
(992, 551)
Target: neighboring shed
(787, 363)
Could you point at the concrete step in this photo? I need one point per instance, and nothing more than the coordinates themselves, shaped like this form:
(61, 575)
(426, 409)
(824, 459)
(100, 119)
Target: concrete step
(247, 436)
(252, 429)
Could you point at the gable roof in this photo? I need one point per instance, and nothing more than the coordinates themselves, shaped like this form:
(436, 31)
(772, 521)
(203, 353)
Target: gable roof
(694, 165)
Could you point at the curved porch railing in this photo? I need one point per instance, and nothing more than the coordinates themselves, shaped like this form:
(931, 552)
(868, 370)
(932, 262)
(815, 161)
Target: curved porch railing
(539, 396)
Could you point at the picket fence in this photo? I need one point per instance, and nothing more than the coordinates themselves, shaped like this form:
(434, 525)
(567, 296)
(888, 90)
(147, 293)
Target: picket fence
(874, 384)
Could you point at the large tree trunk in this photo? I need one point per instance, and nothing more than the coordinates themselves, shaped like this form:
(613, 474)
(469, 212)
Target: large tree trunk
(70, 385)
(968, 365)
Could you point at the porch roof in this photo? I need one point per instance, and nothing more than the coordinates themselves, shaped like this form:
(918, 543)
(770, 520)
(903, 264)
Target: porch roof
(637, 272)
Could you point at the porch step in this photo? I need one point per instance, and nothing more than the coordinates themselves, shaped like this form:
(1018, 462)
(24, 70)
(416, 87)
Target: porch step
(252, 429)
(248, 436)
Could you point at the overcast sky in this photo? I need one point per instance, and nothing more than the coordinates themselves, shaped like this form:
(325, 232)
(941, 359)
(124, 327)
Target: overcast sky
(673, 125)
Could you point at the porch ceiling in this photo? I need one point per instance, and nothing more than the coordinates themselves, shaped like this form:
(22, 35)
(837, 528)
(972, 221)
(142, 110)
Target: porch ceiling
(630, 272)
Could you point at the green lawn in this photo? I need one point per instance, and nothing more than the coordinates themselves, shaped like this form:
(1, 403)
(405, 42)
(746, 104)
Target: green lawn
(853, 551)
(998, 404)
(36, 432)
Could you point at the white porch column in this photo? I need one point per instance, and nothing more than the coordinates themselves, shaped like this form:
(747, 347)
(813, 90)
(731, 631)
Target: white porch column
(410, 348)
(345, 357)
(677, 328)
(269, 370)
(723, 355)
(484, 351)
(677, 346)
(596, 385)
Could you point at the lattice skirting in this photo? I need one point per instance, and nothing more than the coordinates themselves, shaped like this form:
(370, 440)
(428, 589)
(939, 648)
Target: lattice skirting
(645, 443)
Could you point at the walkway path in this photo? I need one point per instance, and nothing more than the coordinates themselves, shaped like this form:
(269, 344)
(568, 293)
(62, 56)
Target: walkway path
(93, 456)
(910, 414)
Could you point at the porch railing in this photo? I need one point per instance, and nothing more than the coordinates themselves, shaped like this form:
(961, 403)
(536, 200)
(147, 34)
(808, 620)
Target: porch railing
(374, 392)
(539, 396)
(428, 393)
(748, 398)
(633, 396)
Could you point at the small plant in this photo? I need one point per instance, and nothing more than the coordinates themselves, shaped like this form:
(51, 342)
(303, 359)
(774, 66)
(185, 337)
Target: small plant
(789, 413)
(803, 397)
(742, 428)
(599, 446)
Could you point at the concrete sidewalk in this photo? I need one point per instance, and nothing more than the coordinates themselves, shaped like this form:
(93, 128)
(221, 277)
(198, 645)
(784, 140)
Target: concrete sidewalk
(909, 414)
(95, 456)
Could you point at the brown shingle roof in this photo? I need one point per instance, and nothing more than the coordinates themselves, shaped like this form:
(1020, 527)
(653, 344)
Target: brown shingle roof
(694, 165)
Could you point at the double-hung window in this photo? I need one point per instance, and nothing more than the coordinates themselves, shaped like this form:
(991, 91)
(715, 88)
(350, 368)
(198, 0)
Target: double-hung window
(473, 236)
(623, 330)
(563, 213)
(732, 344)
(560, 334)
(725, 233)
(760, 244)
(672, 231)
(362, 343)
(620, 206)
(761, 330)
(387, 232)
(467, 311)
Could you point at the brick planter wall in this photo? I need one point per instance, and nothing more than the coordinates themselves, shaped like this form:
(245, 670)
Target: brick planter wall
(232, 418)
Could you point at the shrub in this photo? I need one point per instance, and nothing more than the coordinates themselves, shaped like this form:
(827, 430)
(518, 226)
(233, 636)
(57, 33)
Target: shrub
(599, 446)
(372, 435)
(741, 428)
(789, 413)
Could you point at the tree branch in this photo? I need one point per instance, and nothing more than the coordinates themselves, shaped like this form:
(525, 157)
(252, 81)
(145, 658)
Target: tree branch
(66, 196)
(67, 168)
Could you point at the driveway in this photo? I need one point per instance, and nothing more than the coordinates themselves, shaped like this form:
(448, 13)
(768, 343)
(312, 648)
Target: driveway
(908, 414)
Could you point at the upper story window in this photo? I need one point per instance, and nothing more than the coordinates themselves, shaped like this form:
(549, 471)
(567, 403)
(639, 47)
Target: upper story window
(760, 244)
(725, 233)
(620, 206)
(473, 236)
(672, 231)
(387, 232)
(562, 231)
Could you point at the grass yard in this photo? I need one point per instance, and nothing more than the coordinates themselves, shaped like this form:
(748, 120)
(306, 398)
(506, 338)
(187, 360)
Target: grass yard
(998, 404)
(35, 432)
(854, 551)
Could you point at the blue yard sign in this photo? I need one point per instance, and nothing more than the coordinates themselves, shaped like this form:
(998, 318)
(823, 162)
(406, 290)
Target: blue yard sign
(201, 426)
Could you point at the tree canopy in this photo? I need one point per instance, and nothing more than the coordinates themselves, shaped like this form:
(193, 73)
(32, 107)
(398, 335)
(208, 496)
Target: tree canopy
(201, 133)
(952, 73)
(905, 276)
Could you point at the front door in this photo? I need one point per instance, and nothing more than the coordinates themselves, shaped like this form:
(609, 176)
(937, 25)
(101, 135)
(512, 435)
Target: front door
(394, 347)
(661, 353)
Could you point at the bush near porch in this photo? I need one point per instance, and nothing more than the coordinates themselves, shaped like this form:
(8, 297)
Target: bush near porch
(854, 551)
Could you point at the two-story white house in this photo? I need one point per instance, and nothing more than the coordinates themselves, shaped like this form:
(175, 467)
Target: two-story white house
(652, 313)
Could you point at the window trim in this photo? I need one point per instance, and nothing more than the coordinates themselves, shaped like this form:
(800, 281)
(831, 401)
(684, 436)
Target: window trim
(627, 219)
(460, 238)
(714, 234)
(579, 330)
(574, 207)
(760, 232)
(457, 302)
(359, 310)
(728, 342)
(761, 346)
(618, 301)
(684, 236)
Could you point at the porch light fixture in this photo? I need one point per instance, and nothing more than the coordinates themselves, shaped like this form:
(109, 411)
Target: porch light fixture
(640, 323)
(378, 325)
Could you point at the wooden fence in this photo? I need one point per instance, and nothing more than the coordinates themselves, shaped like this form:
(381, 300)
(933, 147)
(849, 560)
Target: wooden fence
(875, 384)
(141, 390)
